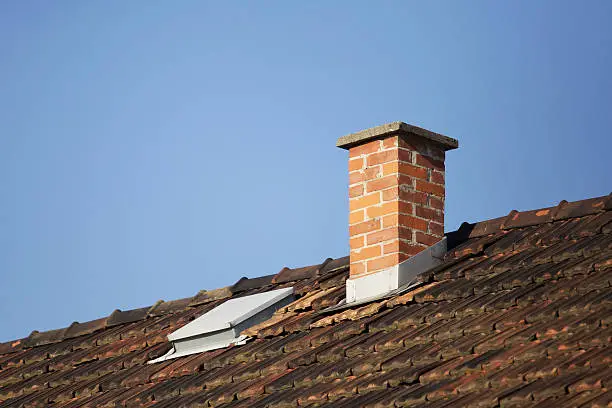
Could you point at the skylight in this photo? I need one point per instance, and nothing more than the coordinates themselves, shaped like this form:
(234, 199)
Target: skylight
(221, 326)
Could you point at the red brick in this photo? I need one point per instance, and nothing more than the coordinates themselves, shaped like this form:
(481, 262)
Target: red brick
(366, 148)
(390, 168)
(356, 190)
(390, 142)
(381, 157)
(357, 242)
(403, 246)
(429, 162)
(355, 177)
(382, 210)
(426, 239)
(390, 207)
(391, 247)
(429, 213)
(431, 188)
(436, 203)
(405, 168)
(404, 207)
(365, 253)
(357, 268)
(436, 229)
(402, 168)
(356, 216)
(381, 183)
(437, 177)
(405, 181)
(383, 262)
(390, 220)
(363, 227)
(381, 236)
(365, 201)
(404, 155)
(416, 197)
(403, 256)
(410, 248)
(371, 172)
(390, 193)
(409, 221)
(355, 164)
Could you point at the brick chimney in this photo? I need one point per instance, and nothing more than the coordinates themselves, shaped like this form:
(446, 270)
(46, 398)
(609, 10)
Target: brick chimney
(396, 195)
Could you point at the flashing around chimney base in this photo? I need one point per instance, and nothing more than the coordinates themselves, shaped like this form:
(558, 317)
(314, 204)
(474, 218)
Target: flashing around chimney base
(385, 281)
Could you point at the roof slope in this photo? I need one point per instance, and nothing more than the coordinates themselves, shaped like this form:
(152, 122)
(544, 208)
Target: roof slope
(518, 314)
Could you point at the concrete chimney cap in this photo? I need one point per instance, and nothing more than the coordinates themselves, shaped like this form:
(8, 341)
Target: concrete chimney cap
(379, 132)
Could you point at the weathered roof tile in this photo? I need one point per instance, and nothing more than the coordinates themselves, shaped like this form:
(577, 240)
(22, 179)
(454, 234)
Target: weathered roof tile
(206, 296)
(517, 314)
(290, 275)
(581, 208)
(121, 317)
(245, 283)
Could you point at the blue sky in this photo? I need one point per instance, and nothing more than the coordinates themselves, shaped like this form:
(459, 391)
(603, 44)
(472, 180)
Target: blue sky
(152, 149)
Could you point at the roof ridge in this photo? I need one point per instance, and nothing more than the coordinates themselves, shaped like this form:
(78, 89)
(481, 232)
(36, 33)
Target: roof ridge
(520, 219)
(161, 307)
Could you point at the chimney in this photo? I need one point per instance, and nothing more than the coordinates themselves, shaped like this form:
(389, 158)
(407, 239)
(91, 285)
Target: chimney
(396, 205)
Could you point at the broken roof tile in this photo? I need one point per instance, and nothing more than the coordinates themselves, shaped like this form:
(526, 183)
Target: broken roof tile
(334, 278)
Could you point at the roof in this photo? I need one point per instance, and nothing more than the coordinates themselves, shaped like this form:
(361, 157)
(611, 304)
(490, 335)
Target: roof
(518, 314)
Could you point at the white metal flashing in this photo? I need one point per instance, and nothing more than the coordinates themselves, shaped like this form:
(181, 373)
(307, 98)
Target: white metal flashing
(176, 353)
(221, 326)
(385, 281)
(230, 313)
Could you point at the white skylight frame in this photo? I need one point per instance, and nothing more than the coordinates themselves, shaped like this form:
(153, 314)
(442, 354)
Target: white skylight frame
(221, 326)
